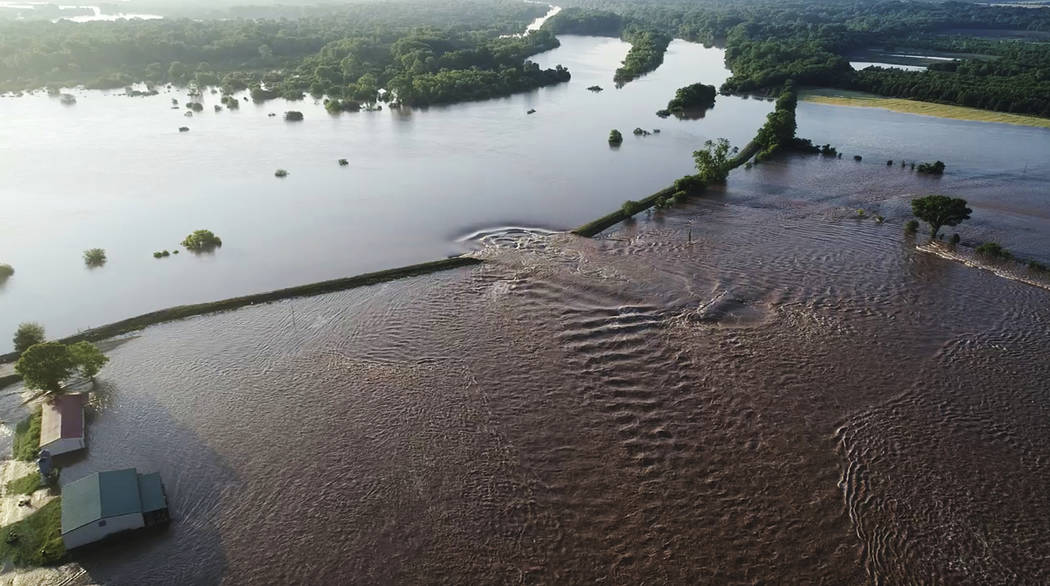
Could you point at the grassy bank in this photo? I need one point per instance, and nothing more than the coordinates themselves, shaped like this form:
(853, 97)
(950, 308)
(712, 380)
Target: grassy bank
(591, 228)
(27, 437)
(861, 99)
(35, 540)
(24, 485)
(184, 311)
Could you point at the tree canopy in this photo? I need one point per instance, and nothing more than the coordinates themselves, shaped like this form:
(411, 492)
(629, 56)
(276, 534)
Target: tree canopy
(28, 334)
(46, 366)
(939, 211)
(713, 161)
(88, 358)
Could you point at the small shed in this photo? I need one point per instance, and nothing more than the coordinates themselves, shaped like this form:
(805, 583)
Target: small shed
(115, 501)
(62, 424)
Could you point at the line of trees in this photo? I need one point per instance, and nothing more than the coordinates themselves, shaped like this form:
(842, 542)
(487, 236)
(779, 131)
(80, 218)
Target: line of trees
(423, 53)
(808, 41)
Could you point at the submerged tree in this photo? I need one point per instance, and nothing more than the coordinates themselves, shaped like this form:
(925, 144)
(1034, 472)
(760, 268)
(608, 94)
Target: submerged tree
(94, 257)
(202, 240)
(940, 210)
(28, 334)
(712, 162)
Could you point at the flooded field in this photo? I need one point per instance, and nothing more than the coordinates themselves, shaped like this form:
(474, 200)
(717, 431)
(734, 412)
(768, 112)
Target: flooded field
(750, 386)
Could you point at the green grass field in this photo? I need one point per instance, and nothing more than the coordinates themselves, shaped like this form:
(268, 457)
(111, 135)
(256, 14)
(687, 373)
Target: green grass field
(26, 443)
(24, 485)
(865, 100)
(35, 540)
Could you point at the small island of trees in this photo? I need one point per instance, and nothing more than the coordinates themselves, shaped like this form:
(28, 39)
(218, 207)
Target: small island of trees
(202, 241)
(690, 101)
(280, 173)
(615, 138)
(935, 168)
(293, 116)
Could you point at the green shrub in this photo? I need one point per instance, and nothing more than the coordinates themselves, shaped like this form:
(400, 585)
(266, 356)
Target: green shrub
(630, 208)
(1037, 266)
(911, 226)
(680, 196)
(26, 444)
(343, 162)
(202, 240)
(691, 184)
(293, 116)
(5, 272)
(615, 138)
(94, 257)
(27, 484)
(157, 254)
(280, 173)
(860, 213)
(993, 250)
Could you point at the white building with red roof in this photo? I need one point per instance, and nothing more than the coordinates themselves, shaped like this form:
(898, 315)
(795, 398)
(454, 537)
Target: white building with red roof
(62, 424)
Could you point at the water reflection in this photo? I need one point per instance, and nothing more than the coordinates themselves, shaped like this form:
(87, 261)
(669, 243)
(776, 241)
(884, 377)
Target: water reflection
(458, 169)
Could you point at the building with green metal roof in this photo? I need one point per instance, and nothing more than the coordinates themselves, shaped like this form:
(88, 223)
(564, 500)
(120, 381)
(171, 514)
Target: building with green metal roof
(105, 503)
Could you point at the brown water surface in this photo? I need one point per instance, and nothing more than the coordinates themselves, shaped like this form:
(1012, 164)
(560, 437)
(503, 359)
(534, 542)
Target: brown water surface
(750, 388)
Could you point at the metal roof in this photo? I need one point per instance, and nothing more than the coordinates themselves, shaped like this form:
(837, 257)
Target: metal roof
(80, 503)
(62, 417)
(105, 494)
(151, 490)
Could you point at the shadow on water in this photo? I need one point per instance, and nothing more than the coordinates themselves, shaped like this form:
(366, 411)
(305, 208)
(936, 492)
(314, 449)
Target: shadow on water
(132, 430)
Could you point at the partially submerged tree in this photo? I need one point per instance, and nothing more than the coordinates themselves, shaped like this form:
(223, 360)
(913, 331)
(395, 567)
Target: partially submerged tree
(5, 272)
(202, 240)
(940, 210)
(89, 359)
(615, 138)
(45, 366)
(94, 257)
(712, 162)
(28, 334)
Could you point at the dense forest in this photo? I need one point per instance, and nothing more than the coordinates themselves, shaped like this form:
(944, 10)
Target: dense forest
(426, 53)
(431, 52)
(768, 43)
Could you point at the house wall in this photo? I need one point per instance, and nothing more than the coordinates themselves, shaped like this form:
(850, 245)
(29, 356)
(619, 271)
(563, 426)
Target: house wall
(93, 532)
(64, 445)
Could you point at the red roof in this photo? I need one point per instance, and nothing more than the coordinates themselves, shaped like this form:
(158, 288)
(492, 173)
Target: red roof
(62, 417)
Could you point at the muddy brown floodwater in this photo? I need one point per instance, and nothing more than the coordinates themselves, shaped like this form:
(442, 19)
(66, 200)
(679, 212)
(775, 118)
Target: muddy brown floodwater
(749, 388)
